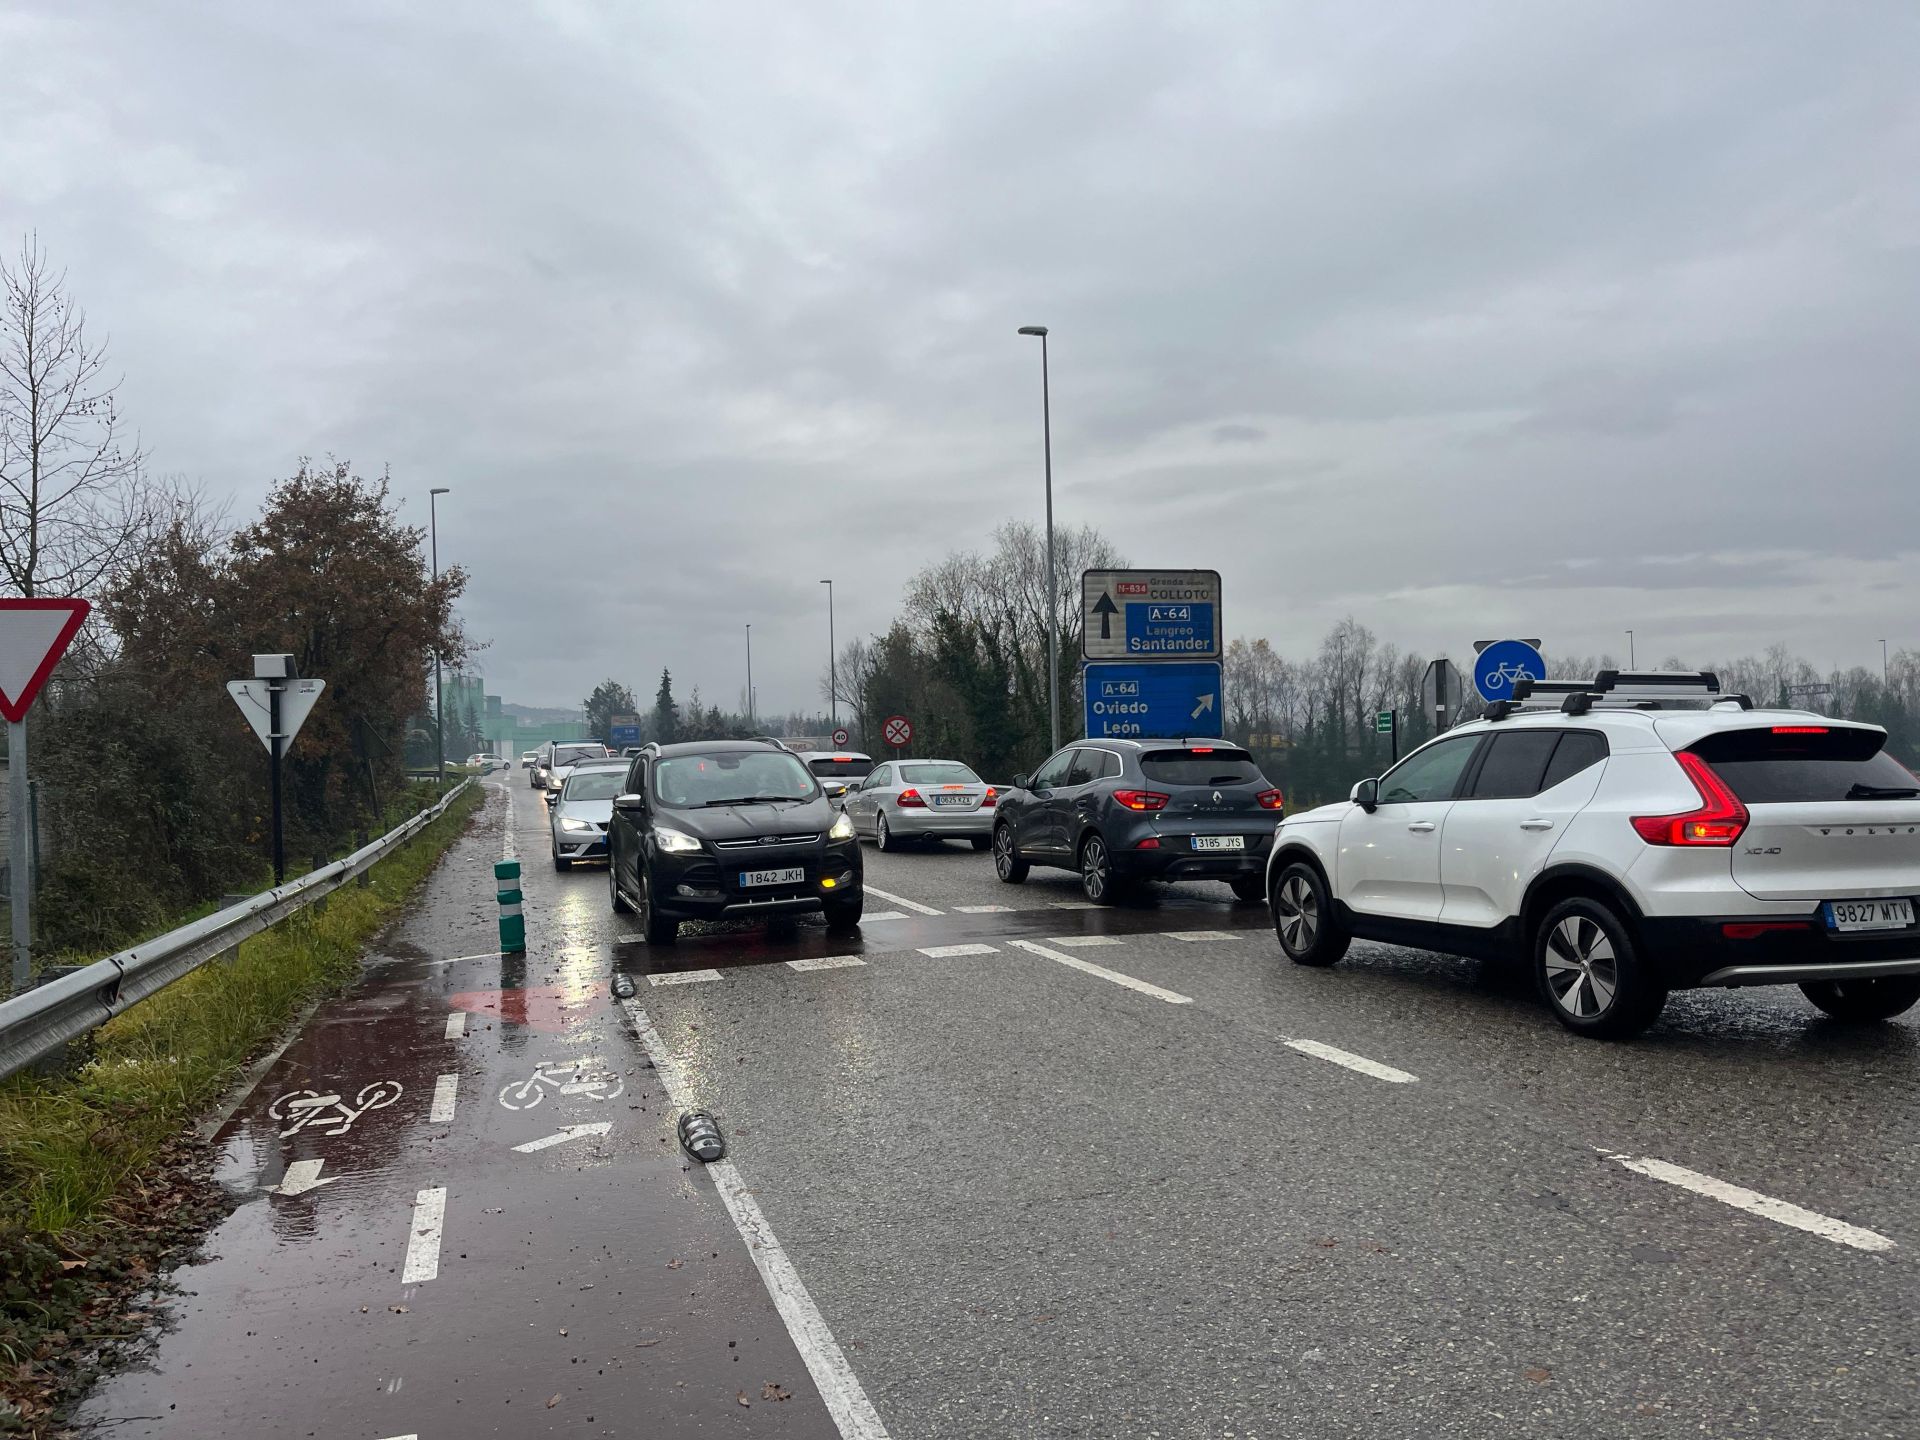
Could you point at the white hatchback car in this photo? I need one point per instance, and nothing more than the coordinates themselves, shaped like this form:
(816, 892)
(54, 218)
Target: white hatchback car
(1625, 848)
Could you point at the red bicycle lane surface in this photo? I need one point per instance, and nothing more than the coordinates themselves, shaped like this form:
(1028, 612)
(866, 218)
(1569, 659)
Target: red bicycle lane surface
(462, 1212)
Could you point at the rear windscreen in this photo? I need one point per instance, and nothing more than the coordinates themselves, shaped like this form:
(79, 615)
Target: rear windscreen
(573, 754)
(841, 765)
(948, 773)
(1199, 767)
(1789, 765)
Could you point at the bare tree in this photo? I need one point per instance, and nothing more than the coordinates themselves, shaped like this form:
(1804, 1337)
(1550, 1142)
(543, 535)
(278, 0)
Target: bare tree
(74, 504)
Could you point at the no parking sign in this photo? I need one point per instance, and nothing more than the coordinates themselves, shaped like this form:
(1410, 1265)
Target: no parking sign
(897, 732)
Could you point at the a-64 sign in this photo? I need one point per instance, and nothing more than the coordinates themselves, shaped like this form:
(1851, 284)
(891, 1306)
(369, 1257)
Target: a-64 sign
(1150, 615)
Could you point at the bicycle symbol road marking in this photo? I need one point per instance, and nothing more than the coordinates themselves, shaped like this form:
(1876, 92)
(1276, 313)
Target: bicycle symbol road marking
(309, 1110)
(587, 1076)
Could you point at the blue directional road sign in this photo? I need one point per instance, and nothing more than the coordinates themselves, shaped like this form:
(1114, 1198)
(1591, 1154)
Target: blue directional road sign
(1502, 663)
(1127, 700)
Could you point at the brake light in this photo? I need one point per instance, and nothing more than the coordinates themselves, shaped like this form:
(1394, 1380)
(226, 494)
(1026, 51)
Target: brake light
(1152, 842)
(1719, 820)
(1141, 799)
(1271, 800)
(990, 799)
(1799, 729)
(1201, 750)
(909, 799)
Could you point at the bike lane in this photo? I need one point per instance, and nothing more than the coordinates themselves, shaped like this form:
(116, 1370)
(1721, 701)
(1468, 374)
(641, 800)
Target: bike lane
(463, 1211)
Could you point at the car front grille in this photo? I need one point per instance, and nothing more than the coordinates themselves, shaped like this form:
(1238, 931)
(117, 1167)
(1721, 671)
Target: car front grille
(766, 842)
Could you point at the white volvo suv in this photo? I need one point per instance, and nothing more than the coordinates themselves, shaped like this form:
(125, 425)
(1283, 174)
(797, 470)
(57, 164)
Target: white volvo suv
(1627, 836)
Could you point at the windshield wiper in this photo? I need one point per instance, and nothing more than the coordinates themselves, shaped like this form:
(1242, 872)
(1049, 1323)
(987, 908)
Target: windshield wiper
(755, 800)
(1882, 792)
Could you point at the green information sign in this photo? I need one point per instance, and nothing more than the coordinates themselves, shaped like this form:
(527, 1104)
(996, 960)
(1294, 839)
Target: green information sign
(1383, 723)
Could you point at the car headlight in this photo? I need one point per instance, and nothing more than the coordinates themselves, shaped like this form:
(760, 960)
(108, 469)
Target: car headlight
(674, 842)
(842, 827)
(577, 827)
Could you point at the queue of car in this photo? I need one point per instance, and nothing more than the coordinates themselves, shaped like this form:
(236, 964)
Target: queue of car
(1623, 837)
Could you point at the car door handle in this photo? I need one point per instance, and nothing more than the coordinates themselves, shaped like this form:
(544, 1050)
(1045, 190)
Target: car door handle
(1536, 824)
(1422, 827)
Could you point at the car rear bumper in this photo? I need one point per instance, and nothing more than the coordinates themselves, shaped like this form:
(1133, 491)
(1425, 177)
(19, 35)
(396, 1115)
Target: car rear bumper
(1175, 858)
(931, 824)
(1700, 951)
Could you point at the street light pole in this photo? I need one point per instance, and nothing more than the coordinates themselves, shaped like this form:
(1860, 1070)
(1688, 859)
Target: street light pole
(749, 677)
(1053, 584)
(1883, 664)
(1630, 650)
(833, 679)
(439, 695)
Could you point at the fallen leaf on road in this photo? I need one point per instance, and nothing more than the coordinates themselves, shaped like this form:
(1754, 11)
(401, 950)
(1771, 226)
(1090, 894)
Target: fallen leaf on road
(71, 1264)
(771, 1391)
(563, 1332)
(745, 1403)
(398, 1309)
(643, 1344)
(1539, 1375)
(675, 1264)
(553, 1402)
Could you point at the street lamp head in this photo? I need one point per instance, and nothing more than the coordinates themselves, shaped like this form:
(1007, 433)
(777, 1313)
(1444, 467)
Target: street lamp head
(1033, 329)
(439, 490)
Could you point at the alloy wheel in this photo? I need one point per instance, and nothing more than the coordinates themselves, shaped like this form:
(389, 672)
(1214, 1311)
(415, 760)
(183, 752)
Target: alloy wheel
(1583, 974)
(1298, 913)
(1093, 868)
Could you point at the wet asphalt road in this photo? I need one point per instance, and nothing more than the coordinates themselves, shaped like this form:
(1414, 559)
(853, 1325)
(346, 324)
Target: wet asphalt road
(1073, 1173)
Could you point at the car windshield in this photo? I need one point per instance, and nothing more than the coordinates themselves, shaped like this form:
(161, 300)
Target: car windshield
(940, 772)
(574, 754)
(853, 767)
(1793, 764)
(594, 784)
(731, 777)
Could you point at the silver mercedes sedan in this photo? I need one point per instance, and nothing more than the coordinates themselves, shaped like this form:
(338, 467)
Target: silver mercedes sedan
(902, 800)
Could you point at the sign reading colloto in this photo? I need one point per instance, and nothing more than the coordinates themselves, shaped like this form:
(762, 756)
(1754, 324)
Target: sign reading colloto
(1150, 615)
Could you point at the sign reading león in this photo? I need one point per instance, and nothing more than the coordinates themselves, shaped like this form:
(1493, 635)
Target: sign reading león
(1150, 615)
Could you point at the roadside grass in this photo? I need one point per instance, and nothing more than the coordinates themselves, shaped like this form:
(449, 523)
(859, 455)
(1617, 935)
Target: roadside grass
(78, 1150)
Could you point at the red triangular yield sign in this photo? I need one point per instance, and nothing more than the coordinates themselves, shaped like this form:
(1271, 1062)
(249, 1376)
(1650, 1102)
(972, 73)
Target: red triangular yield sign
(34, 634)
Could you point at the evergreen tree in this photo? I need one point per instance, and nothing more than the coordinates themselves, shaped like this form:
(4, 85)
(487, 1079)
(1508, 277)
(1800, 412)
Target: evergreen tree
(666, 715)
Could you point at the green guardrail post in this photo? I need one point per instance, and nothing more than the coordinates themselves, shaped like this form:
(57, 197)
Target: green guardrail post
(513, 925)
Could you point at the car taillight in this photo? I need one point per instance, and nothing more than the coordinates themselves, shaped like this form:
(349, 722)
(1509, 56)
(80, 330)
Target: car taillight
(1799, 729)
(1152, 842)
(909, 799)
(1141, 799)
(990, 799)
(1719, 820)
(1271, 800)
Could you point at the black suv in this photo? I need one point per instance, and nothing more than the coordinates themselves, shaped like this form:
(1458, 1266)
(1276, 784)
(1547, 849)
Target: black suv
(719, 829)
(1124, 810)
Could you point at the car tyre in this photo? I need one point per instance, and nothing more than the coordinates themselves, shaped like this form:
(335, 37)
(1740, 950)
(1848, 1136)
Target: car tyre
(980, 842)
(1859, 1001)
(560, 862)
(844, 915)
(1007, 863)
(659, 929)
(1098, 881)
(1309, 931)
(1590, 971)
(1250, 887)
(619, 901)
(882, 836)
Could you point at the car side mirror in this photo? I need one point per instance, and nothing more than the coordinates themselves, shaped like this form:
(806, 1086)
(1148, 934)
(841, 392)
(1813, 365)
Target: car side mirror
(1366, 795)
(1020, 780)
(629, 802)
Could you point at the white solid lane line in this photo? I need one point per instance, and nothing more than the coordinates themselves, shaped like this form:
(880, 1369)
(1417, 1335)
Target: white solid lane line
(683, 977)
(825, 962)
(944, 952)
(446, 1094)
(423, 1236)
(1082, 942)
(1172, 997)
(1754, 1203)
(1198, 937)
(1352, 1061)
(456, 1024)
(902, 901)
(839, 1387)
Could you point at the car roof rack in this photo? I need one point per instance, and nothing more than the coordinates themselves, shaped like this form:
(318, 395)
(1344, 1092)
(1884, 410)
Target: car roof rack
(1615, 689)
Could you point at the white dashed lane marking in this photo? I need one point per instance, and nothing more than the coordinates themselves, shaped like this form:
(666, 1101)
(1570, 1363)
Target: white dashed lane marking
(825, 962)
(1082, 942)
(903, 902)
(683, 977)
(446, 1094)
(423, 1236)
(1072, 905)
(868, 919)
(1358, 1063)
(983, 909)
(1782, 1212)
(944, 952)
(1198, 937)
(1172, 997)
(456, 1024)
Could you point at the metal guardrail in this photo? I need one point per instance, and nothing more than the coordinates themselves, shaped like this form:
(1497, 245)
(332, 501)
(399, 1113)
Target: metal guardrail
(40, 1021)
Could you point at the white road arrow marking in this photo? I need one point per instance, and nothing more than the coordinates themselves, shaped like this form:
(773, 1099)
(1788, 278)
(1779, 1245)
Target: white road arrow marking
(564, 1134)
(301, 1176)
(1206, 704)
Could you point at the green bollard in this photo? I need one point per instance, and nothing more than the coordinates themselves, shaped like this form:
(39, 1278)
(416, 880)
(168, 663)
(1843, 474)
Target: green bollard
(513, 925)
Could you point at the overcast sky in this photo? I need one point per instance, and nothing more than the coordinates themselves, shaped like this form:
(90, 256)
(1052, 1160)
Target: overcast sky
(1467, 319)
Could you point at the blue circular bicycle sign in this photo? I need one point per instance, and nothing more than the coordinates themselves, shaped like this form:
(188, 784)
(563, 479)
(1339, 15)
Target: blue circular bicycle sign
(1504, 662)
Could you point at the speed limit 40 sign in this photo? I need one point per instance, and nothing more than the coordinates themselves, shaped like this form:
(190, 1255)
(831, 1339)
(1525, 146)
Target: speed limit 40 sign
(841, 737)
(897, 732)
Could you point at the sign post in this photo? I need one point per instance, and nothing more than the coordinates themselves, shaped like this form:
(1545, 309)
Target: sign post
(34, 634)
(1387, 723)
(276, 703)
